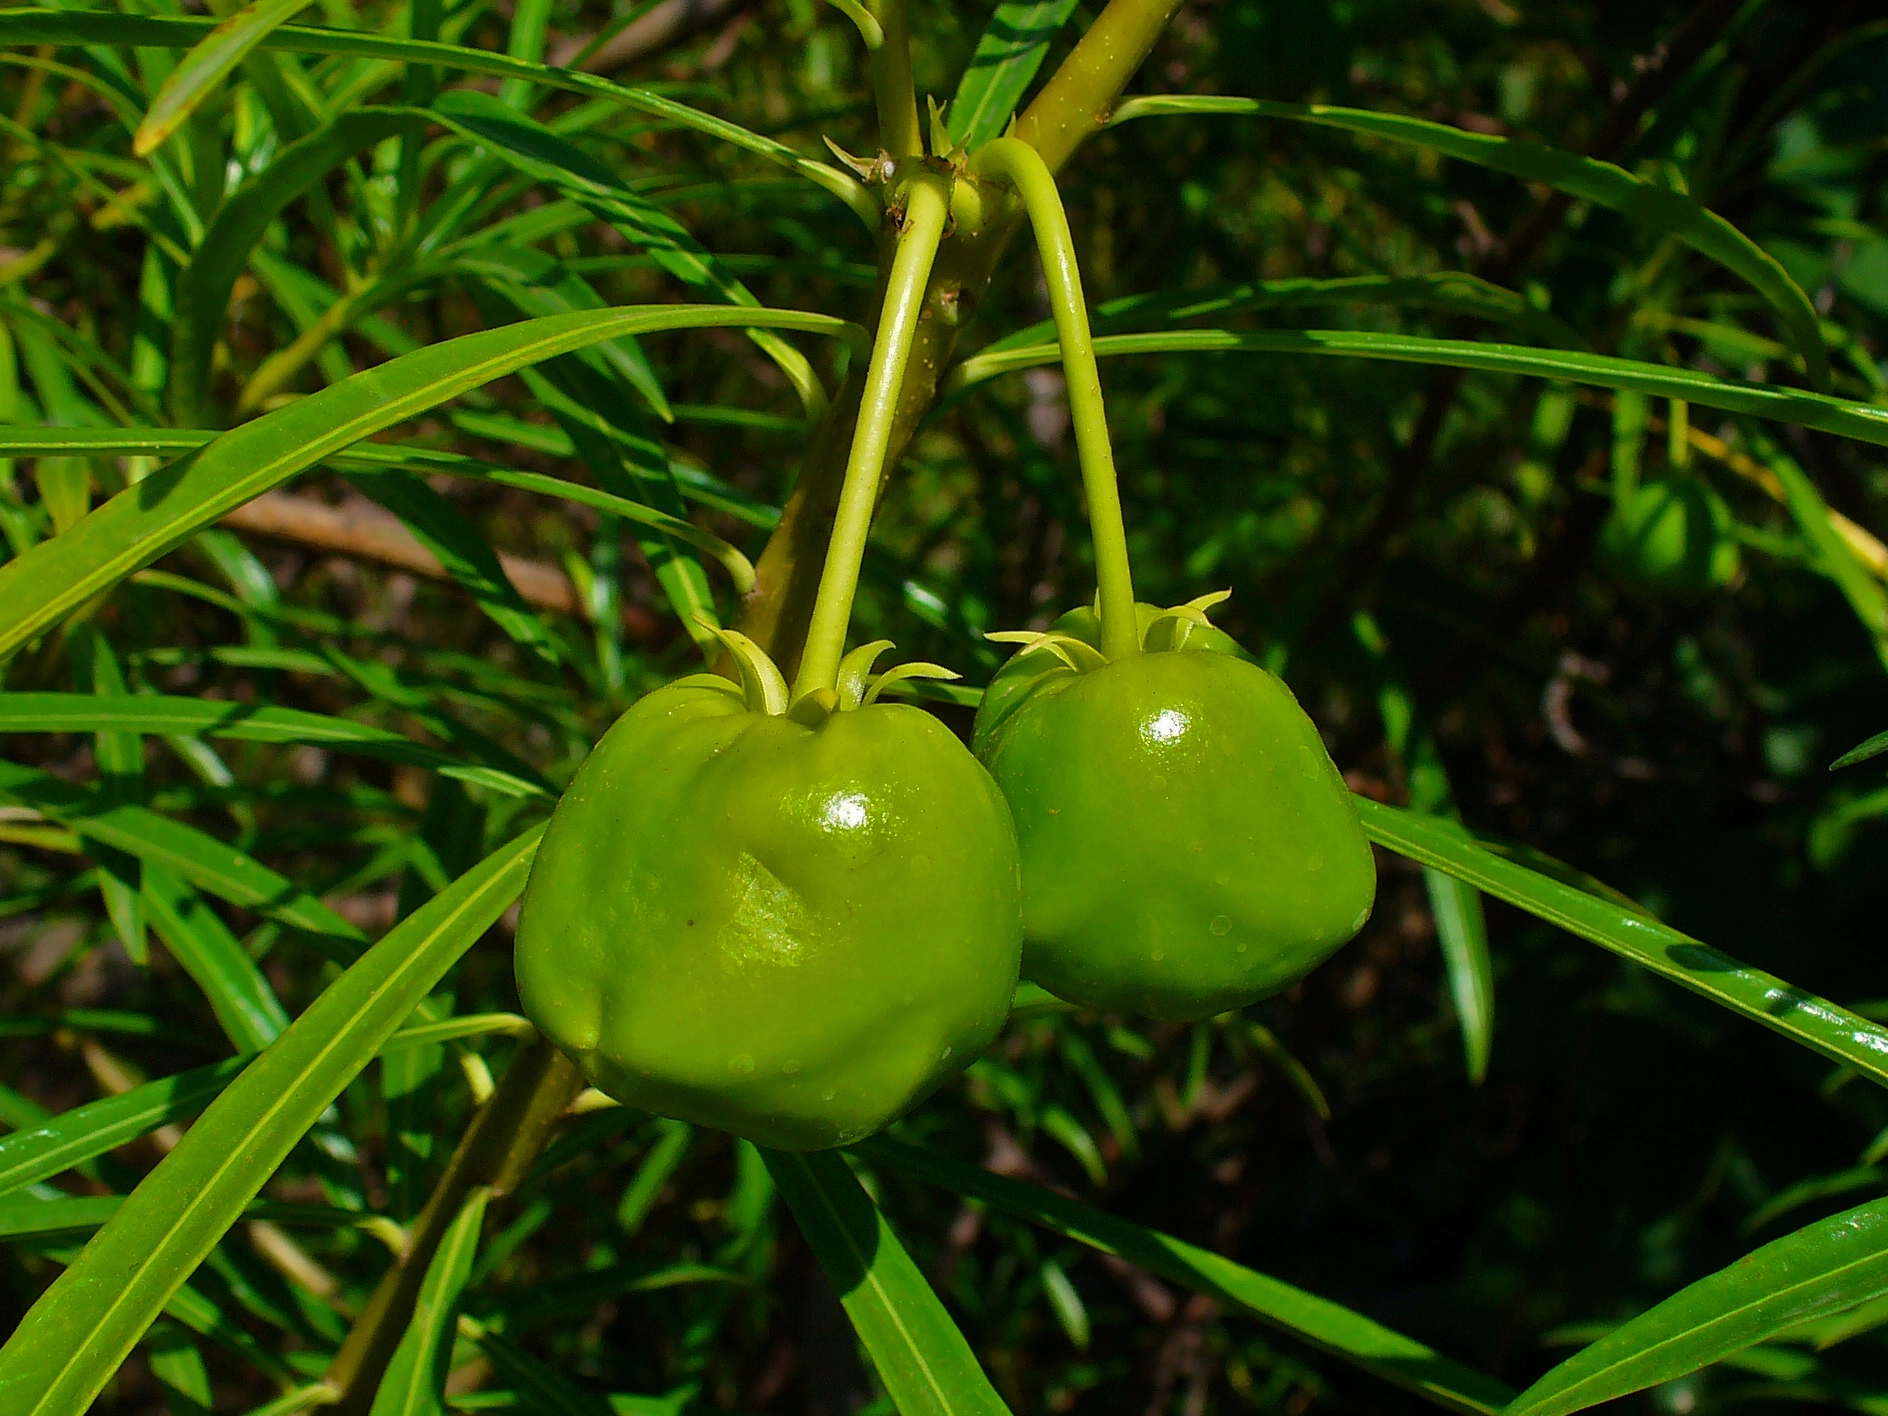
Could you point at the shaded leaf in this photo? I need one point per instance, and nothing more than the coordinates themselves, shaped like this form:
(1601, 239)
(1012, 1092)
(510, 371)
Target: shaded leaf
(921, 1357)
(74, 1337)
(1819, 1270)
(1802, 1017)
(1326, 1325)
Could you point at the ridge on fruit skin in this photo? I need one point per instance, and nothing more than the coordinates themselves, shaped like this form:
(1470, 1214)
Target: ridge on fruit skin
(1188, 846)
(790, 921)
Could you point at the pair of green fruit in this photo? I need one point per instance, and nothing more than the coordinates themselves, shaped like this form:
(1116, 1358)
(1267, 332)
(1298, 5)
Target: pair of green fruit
(793, 923)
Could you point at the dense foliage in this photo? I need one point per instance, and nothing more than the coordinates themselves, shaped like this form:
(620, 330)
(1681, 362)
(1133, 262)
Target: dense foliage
(1476, 1129)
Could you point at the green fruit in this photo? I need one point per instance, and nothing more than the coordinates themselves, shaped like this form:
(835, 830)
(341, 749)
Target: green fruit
(1188, 846)
(1674, 536)
(790, 932)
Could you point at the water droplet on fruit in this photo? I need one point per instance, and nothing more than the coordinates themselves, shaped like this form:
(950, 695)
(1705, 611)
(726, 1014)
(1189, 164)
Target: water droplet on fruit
(921, 865)
(741, 1064)
(790, 1068)
(1221, 925)
(827, 1095)
(1314, 861)
(1158, 956)
(1241, 949)
(947, 1055)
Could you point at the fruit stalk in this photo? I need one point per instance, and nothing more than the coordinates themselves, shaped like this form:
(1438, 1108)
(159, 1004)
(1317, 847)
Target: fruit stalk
(1020, 165)
(927, 204)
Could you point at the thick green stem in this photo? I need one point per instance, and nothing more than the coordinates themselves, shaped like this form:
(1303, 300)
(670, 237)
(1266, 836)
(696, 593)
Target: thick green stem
(1023, 168)
(1075, 101)
(927, 204)
(892, 85)
(497, 1149)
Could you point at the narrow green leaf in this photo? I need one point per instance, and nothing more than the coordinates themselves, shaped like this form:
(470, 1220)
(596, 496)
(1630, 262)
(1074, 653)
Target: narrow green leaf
(142, 522)
(1874, 747)
(1454, 291)
(1009, 52)
(1658, 209)
(206, 717)
(205, 66)
(543, 155)
(412, 1385)
(24, 1216)
(74, 1337)
(1067, 1303)
(1817, 1271)
(59, 1143)
(465, 554)
(1802, 1017)
(197, 856)
(251, 1015)
(663, 1160)
(463, 1026)
(204, 286)
(1841, 416)
(1809, 1191)
(546, 1390)
(1323, 1324)
(1834, 556)
(1462, 931)
(34, 26)
(922, 1358)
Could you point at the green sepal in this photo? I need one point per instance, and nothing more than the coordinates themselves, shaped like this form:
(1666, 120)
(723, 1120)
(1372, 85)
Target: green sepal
(917, 669)
(1172, 627)
(762, 684)
(855, 672)
(1078, 654)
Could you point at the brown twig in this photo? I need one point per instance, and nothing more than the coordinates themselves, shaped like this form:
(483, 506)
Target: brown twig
(359, 529)
(498, 1148)
(669, 23)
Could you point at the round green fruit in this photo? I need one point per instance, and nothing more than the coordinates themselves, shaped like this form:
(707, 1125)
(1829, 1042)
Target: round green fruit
(789, 932)
(1674, 536)
(1188, 846)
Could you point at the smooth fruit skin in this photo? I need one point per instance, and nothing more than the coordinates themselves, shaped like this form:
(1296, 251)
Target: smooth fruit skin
(1188, 846)
(789, 933)
(1673, 536)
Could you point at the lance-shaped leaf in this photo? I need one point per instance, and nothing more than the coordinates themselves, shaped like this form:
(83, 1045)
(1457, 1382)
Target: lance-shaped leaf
(1818, 1271)
(142, 522)
(197, 856)
(74, 1337)
(922, 1358)
(1009, 52)
(412, 1384)
(73, 1137)
(1802, 1017)
(1658, 209)
(206, 717)
(39, 26)
(1844, 417)
(204, 67)
(1324, 1324)
(466, 555)
(251, 1015)
(540, 153)
(204, 286)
